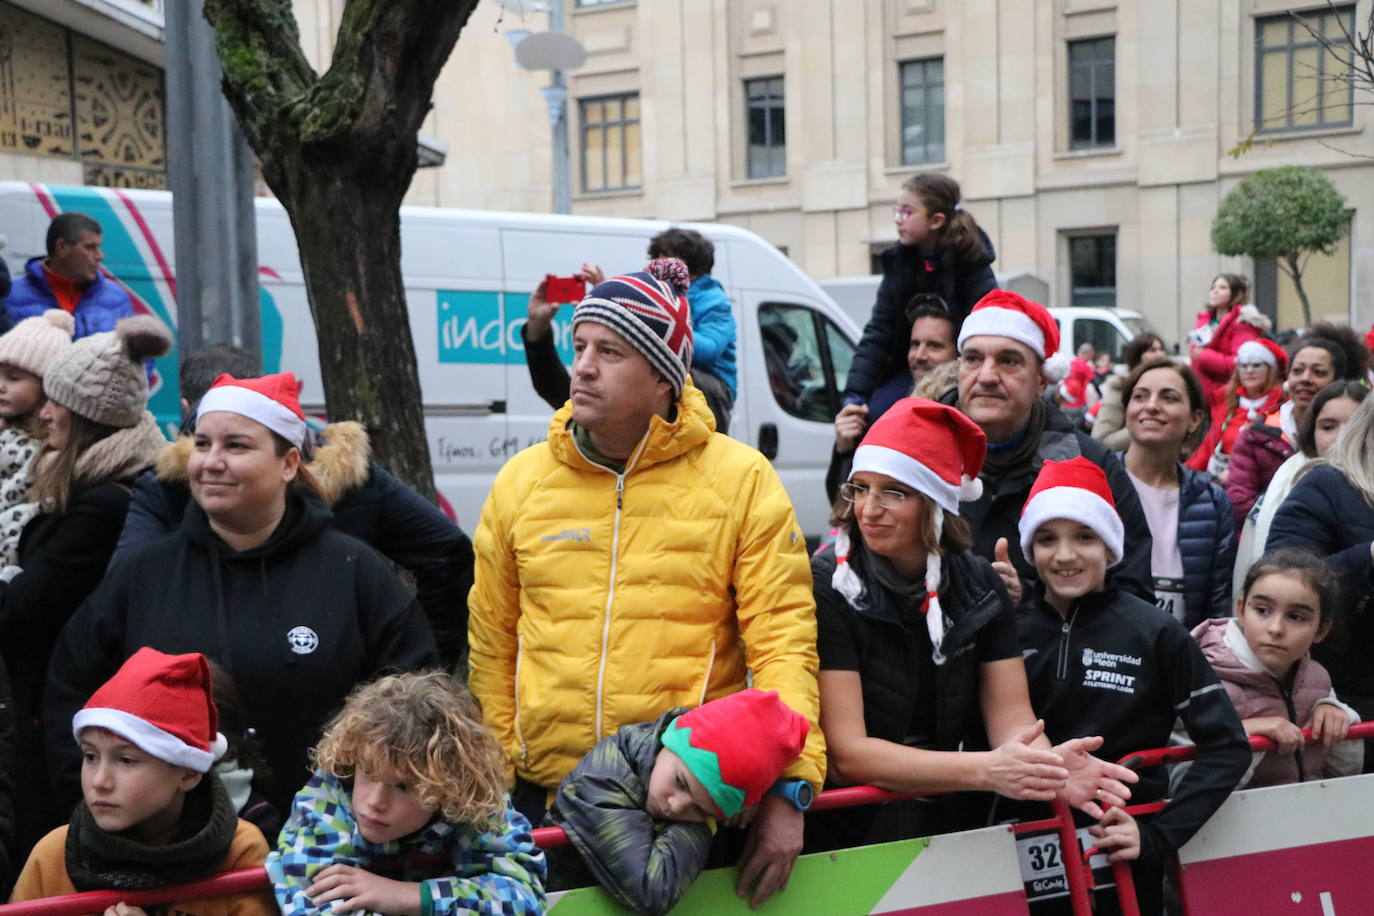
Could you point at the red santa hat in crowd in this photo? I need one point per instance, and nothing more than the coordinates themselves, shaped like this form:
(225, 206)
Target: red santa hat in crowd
(1262, 350)
(1002, 313)
(1369, 339)
(937, 451)
(272, 400)
(1077, 490)
(162, 704)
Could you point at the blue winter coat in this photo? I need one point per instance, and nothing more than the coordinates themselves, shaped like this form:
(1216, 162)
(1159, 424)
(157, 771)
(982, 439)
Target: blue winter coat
(1325, 513)
(102, 303)
(713, 330)
(1207, 541)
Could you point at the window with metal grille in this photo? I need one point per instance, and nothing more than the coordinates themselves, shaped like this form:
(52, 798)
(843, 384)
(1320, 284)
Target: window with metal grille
(1092, 93)
(1299, 83)
(923, 111)
(610, 143)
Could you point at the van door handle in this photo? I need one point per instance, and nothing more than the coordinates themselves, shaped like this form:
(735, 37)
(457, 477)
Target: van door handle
(768, 440)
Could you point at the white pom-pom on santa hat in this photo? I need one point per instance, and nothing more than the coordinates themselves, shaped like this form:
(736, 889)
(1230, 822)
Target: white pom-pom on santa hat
(1077, 490)
(938, 452)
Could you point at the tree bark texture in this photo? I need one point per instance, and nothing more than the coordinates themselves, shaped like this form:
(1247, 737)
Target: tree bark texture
(339, 151)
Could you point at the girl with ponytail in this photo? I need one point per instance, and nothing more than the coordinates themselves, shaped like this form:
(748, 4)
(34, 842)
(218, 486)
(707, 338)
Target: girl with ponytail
(941, 250)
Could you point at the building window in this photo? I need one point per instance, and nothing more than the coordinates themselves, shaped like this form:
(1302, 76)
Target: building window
(1092, 270)
(1299, 83)
(70, 97)
(610, 143)
(923, 111)
(1092, 93)
(766, 153)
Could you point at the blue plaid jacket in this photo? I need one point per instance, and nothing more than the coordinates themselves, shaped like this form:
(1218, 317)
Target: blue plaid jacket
(500, 871)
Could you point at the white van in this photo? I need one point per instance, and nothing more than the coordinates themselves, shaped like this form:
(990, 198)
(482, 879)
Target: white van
(468, 277)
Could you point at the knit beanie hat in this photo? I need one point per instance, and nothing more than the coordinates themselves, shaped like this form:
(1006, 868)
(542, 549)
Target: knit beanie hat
(738, 746)
(1264, 351)
(1002, 313)
(161, 703)
(34, 342)
(272, 400)
(938, 452)
(649, 309)
(102, 377)
(1077, 490)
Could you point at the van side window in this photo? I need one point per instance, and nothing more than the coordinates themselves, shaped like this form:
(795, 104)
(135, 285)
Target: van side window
(808, 359)
(1103, 335)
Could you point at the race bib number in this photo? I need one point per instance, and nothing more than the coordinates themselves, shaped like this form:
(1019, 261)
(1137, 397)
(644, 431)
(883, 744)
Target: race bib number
(1169, 596)
(1042, 864)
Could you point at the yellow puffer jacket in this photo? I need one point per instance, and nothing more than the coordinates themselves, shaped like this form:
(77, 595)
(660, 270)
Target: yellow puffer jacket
(602, 600)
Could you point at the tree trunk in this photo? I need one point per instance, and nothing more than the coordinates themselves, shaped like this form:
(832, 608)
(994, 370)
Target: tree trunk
(339, 151)
(1294, 271)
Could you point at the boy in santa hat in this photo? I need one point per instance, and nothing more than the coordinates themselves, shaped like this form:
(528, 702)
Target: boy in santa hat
(1101, 661)
(641, 807)
(153, 813)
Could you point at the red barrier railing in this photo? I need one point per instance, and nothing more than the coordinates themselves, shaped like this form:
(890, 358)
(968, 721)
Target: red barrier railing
(1076, 870)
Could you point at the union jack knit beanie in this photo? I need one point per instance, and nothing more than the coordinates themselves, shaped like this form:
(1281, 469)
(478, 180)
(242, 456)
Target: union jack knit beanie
(162, 704)
(738, 746)
(649, 309)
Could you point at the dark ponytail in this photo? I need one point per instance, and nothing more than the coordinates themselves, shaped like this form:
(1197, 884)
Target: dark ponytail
(960, 236)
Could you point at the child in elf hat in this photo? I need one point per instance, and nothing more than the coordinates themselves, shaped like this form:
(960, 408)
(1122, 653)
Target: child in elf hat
(152, 812)
(407, 770)
(1101, 661)
(640, 808)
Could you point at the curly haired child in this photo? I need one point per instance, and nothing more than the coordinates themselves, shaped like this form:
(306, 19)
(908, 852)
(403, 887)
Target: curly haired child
(407, 769)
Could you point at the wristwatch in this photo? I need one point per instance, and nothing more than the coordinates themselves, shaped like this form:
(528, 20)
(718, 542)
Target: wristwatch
(796, 791)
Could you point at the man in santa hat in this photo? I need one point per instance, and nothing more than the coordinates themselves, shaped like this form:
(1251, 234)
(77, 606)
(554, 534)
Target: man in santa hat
(1003, 345)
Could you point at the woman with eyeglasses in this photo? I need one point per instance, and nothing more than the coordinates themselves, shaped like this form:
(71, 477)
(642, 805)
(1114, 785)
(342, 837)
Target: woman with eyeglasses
(940, 250)
(920, 659)
(1255, 391)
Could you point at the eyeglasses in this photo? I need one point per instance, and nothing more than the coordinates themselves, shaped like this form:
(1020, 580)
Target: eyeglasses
(904, 213)
(1251, 367)
(888, 499)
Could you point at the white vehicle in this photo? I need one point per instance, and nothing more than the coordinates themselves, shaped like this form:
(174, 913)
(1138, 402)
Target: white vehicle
(468, 277)
(1108, 329)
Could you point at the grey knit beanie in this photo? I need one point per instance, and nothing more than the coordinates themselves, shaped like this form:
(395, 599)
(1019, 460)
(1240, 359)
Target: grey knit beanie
(33, 343)
(102, 377)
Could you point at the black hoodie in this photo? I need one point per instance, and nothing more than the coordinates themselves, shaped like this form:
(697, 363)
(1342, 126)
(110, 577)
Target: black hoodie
(297, 622)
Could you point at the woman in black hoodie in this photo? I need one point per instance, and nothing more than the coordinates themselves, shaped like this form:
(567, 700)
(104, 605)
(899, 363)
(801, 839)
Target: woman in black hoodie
(257, 579)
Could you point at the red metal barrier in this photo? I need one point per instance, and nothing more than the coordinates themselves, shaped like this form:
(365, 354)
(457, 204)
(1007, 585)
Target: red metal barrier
(1078, 874)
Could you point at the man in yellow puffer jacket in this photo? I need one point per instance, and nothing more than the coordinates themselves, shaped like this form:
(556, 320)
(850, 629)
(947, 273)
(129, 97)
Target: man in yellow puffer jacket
(638, 561)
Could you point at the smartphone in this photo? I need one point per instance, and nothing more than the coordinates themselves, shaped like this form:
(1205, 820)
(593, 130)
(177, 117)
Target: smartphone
(564, 289)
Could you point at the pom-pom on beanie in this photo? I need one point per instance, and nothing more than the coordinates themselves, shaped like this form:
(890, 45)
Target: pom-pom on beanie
(738, 746)
(938, 452)
(161, 703)
(1002, 313)
(102, 377)
(649, 309)
(272, 400)
(33, 343)
(1077, 490)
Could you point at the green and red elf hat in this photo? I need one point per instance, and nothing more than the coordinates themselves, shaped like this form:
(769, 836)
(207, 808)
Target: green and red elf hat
(738, 746)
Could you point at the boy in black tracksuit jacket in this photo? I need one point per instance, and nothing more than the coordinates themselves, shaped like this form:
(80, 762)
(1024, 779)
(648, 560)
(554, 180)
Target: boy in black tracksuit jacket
(1101, 661)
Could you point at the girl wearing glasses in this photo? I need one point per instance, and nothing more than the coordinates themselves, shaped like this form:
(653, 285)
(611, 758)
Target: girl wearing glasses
(1255, 391)
(940, 250)
(920, 661)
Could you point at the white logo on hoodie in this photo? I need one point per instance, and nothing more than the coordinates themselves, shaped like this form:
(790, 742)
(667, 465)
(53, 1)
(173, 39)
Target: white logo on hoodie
(302, 640)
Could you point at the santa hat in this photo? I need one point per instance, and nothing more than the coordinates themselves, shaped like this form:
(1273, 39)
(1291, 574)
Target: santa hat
(1262, 350)
(1369, 339)
(161, 703)
(738, 746)
(649, 309)
(1005, 314)
(1077, 490)
(937, 451)
(272, 400)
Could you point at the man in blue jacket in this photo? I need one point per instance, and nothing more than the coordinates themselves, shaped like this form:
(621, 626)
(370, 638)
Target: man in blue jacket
(70, 278)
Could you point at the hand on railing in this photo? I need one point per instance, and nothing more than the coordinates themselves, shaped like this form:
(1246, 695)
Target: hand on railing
(1162, 756)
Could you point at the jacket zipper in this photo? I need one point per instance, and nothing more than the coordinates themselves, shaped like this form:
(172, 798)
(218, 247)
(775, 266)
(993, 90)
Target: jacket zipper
(710, 664)
(519, 735)
(1062, 669)
(1293, 717)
